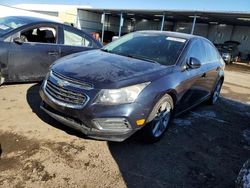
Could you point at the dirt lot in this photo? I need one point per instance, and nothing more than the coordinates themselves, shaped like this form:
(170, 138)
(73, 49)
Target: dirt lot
(203, 148)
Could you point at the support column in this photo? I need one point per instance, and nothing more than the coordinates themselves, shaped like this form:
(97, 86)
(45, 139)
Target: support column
(162, 22)
(193, 26)
(103, 25)
(78, 22)
(121, 24)
(134, 24)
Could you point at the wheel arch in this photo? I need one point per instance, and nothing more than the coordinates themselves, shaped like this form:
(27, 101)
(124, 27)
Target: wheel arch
(169, 93)
(173, 95)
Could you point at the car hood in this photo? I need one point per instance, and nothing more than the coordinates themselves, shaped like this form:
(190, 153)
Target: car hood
(106, 70)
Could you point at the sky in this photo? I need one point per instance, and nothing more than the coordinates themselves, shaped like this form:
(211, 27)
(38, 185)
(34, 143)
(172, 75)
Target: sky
(212, 5)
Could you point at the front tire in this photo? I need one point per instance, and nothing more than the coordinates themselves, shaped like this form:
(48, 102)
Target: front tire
(160, 116)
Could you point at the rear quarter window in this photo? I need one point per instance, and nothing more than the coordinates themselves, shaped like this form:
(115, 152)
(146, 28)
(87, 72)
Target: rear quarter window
(197, 51)
(73, 39)
(211, 53)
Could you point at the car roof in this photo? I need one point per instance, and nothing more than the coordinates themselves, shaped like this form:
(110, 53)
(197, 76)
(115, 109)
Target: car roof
(171, 34)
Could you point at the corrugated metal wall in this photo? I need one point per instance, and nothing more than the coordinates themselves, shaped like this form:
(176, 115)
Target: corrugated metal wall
(147, 25)
(89, 21)
(242, 35)
(219, 33)
(200, 29)
(92, 22)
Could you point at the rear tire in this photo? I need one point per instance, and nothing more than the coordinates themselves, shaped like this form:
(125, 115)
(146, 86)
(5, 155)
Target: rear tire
(216, 93)
(160, 119)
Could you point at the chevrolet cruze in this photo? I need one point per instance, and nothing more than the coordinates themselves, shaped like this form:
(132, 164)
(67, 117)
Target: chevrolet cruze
(138, 82)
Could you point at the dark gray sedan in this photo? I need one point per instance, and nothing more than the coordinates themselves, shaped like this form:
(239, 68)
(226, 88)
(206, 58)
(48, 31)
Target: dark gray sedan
(136, 82)
(28, 46)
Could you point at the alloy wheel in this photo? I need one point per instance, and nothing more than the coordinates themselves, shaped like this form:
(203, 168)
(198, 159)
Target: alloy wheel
(161, 119)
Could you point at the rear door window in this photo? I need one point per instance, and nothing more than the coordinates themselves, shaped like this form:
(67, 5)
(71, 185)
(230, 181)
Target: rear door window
(74, 39)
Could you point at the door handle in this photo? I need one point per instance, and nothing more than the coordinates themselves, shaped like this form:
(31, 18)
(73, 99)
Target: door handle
(204, 75)
(53, 53)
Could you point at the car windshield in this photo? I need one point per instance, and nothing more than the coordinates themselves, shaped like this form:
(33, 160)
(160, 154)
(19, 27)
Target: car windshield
(153, 47)
(7, 24)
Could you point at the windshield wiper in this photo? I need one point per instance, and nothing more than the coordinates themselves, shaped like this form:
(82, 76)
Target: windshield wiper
(105, 50)
(131, 56)
(142, 58)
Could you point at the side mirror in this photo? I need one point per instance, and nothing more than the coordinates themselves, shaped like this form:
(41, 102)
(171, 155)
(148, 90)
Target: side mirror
(194, 63)
(114, 38)
(19, 40)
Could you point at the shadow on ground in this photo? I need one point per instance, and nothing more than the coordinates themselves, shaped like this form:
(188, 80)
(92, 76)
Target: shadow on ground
(205, 147)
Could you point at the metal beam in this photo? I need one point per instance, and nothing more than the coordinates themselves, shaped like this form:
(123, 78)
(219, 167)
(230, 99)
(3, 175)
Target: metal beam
(193, 26)
(78, 23)
(121, 24)
(162, 22)
(103, 25)
(133, 24)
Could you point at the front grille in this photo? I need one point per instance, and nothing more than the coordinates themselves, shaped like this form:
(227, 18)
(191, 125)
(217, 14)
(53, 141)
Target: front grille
(76, 83)
(62, 95)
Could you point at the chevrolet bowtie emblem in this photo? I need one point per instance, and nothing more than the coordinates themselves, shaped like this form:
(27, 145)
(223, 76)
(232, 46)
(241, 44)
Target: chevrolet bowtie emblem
(62, 83)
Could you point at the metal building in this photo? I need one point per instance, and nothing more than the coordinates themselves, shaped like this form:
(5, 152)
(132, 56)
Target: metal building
(216, 26)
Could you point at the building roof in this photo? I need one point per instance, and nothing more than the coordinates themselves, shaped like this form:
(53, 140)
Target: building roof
(10, 11)
(50, 7)
(210, 17)
(203, 16)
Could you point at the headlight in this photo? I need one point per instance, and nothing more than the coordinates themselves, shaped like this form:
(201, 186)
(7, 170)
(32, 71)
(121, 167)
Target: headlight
(120, 96)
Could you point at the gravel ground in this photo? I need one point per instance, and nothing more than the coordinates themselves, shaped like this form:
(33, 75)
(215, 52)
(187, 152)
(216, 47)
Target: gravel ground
(205, 147)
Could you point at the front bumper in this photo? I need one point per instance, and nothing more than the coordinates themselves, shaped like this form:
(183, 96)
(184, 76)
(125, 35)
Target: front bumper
(83, 119)
(90, 132)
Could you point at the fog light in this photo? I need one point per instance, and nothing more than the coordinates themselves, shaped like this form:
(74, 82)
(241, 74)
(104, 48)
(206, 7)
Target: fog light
(140, 122)
(112, 124)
